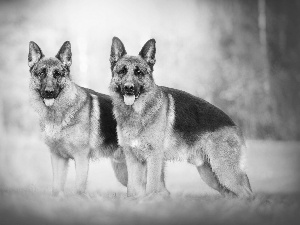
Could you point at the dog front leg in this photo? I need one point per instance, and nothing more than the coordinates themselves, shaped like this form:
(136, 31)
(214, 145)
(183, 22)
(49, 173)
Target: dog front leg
(82, 168)
(136, 175)
(154, 174)
(59, 170)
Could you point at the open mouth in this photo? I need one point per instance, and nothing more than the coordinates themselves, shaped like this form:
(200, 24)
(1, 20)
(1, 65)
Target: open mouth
(129, 99)
(49, 97)
(49, 101)
(130, 96)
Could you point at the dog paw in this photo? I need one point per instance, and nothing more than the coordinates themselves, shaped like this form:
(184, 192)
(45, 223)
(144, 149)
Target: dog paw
(155, 197)
(83, 196)
(59, 195)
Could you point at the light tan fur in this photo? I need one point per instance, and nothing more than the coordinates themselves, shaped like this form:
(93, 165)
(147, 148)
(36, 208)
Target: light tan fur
(150, 140)
(148, 135)
(72, 130)
(68, 138)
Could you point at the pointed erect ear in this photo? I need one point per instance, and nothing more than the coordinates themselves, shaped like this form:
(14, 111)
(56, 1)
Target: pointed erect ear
(65, 54)
(148, 52)
(117, 51)
(35, 54)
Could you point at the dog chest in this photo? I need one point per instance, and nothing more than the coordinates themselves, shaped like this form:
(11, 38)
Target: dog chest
(52, 131)
(65, 140)
(142, 145)
(141, 149)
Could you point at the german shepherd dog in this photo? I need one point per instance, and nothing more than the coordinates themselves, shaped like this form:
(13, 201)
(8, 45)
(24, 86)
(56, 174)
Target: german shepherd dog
(77, 123)
(156, 123)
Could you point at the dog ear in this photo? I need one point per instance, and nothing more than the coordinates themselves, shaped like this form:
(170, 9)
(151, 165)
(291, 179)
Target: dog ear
(117, 51)
(35, 54)
(65, 54)
(148, 52)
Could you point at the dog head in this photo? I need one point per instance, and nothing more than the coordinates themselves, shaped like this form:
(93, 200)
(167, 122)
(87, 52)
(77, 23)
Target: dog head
(49, 76)
(131, 75)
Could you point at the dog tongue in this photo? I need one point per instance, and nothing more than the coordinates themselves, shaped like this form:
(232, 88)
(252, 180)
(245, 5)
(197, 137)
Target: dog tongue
(49, 102)
(129, 99)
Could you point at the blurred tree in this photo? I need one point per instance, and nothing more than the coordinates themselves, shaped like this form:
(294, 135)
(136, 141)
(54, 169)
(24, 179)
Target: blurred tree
(283, 32)
(239, 54)
(256, 75)
(240, 77)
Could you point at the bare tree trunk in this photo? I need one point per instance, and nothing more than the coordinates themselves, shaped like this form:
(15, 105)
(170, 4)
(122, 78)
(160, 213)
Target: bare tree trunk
(262, 23)
(283, 32)
(83, 61)
(2, 128)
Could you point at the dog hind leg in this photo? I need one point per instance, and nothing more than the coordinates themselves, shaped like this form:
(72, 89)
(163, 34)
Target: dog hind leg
(119, 166)
(162, 187)
(224, 160)
(211, 180)
(120, 170)
(246, 181)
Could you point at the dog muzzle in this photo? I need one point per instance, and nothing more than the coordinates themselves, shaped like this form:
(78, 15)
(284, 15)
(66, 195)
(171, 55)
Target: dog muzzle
(49, 97)
(130, 93)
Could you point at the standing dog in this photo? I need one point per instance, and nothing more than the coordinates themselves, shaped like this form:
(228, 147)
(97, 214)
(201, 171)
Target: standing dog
(77, 123)
(157, 123)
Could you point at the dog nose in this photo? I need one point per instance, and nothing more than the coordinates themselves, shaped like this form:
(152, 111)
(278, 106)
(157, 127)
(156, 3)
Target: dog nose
(129, 87)
(49, 93)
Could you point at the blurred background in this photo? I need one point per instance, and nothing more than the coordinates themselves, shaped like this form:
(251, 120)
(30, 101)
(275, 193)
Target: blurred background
(242, 56)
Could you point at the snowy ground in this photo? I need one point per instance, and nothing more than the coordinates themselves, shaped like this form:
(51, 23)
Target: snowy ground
(25, 191)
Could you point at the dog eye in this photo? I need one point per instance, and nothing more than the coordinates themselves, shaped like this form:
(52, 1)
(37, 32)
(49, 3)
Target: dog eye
(122, 71)
(41, 73)
(57, 74)
(138, 72)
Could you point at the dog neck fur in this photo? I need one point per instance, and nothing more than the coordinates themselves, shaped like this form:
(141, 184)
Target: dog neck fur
(141, 113)
(140, 106)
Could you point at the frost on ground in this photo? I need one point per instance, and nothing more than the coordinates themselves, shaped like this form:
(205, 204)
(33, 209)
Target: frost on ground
(34, 207)
(25, 191)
